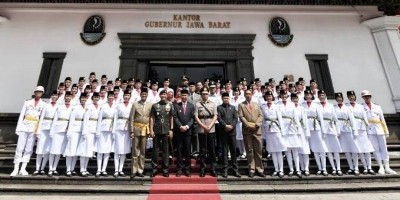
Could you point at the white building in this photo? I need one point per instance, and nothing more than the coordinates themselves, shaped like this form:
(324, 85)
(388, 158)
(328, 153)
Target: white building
(360, 43)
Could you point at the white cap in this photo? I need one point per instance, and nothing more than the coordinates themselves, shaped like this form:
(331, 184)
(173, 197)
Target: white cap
(365, 93)
(39, 89)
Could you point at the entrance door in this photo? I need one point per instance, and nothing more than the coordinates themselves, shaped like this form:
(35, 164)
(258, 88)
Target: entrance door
(195, 72)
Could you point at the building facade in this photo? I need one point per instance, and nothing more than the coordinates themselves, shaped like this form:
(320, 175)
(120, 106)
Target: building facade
(357, 46)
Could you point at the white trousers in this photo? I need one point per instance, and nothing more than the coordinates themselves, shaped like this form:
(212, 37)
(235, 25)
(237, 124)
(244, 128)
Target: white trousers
(23, 153)
(379, 144)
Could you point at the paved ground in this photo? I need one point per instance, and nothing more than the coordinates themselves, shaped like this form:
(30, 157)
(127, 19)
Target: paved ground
(325, 196)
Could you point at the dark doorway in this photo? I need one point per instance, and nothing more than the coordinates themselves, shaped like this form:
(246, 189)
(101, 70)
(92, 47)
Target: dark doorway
(139, 50)
(195, 72)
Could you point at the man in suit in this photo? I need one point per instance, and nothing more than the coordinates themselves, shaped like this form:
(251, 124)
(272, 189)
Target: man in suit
(139, 120)
(183, 117)
(228, 118)
(251, 117)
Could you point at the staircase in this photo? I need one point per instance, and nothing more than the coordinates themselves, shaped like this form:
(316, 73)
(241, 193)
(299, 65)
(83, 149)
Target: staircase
(173, 184)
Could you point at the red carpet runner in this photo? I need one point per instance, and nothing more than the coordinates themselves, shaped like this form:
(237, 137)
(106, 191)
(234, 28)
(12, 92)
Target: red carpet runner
(184, 188)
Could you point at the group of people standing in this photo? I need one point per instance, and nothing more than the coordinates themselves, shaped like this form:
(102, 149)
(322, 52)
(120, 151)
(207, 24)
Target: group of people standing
(86, 120)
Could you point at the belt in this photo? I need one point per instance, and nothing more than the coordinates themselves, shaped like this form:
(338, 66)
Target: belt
(62, 119)
(346, 121)
(144, 128)
(126, 118)
(362, 119)
(108, 118)
(273, 121)
(374, 121)
(92, 119)
(205, 117)
(291, 120)
(33, 119)
(330, 121)
(78, 119)
(47, 118)
(315, 121)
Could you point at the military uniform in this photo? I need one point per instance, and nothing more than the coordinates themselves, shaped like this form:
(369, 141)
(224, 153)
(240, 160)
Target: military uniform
(26, 128)
(206, 140)
(139, 128)
(161, 113)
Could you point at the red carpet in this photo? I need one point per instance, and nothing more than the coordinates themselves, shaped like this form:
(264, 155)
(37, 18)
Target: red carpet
(184, 188)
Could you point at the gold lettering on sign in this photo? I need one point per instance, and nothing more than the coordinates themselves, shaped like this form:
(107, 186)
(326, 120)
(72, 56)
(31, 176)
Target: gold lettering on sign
(188, 21)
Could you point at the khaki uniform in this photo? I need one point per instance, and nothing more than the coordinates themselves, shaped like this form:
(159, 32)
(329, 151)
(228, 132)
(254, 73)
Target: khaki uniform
(139, 125)
(206, 141)
(251, 115)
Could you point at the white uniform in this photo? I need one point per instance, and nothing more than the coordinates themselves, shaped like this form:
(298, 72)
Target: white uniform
(152, 97)
(46, 118)
(122, 144)
(167, 90)
(74, 130)
(27, 125)
(329, 123)
(272, 126)
(135, 96)
(304, 130)
(377, 131)
(239, 133)
(104, 128)
(59, 128)
(86, 145)
(314, 119)
(347, 128)
(215, 98)
(361, 125)
(290, 124)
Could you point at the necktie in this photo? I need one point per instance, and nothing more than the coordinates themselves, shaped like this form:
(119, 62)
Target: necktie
(184, 108)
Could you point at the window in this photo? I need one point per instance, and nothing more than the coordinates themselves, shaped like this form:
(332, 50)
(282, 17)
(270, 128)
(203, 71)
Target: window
(51, 70)
(319, 70)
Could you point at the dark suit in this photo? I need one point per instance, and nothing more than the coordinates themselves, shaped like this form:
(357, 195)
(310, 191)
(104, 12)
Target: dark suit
(183, 139)
(227, 115)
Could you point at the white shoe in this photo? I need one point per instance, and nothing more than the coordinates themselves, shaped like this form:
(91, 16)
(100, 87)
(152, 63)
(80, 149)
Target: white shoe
(381, 170)
(14, 173)
(387, 168)
(23, 172)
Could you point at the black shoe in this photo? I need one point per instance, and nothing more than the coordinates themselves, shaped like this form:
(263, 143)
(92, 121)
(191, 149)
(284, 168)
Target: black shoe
(179, 173)
(104, 174)
(370, 171)
(84, 174)
(42, 172)
(236, 174)
(298, 174)
(251, 174)
(187, 174)
(225, 175)
(165, 174)
(261, 174)
(35, 173)
(73, 173)
(214, 173)
(140, 175)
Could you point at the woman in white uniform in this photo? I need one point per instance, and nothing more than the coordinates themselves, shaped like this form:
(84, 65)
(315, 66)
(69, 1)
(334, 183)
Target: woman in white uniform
(74, 134)
(235, 101)
(86, 146)
(58, 133)
(330, 122)
(122, 139)
(290, 125)
(348, 134)
(304, 132)
(272, 126)
(317, 142)
(44, 140)
(104, 139)
(361, 125)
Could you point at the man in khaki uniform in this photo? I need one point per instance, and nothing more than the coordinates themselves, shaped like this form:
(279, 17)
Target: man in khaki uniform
(139, 119)
(206, 115)
(251, 117)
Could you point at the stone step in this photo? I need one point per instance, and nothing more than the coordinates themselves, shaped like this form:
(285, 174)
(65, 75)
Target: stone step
(126, 186)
